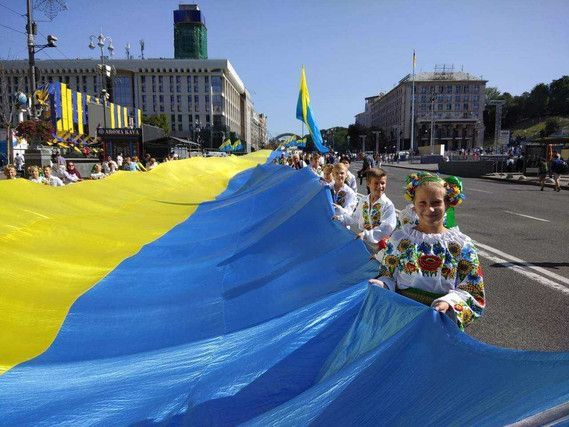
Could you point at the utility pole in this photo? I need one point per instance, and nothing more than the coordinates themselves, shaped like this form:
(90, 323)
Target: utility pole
(31, 30)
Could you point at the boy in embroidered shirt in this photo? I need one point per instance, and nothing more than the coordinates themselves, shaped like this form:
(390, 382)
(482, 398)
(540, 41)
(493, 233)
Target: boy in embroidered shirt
(344, 198)
(374, 218)
(430, 263)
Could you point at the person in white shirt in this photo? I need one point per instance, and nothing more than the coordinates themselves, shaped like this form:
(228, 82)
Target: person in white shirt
(51, 180)
(350, 179)
(374, 218)
(314, 164)
(344, 198)
(151, 164)
(110, 166)
(97, 172)
(19, 162)
(34, 173)
(119, 160)
(297, 162)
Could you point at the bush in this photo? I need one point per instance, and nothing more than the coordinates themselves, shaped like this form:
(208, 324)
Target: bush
(552, 125)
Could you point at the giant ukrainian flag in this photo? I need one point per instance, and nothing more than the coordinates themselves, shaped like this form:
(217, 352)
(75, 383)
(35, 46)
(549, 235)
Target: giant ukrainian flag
(195, 294)
(304, 113)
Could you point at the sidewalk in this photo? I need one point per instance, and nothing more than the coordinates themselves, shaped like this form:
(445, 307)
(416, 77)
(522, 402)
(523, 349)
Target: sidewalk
(430, 167)
(519, 178)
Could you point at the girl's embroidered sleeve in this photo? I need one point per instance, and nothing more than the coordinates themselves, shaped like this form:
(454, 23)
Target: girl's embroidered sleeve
(389, 265)
(467, 301)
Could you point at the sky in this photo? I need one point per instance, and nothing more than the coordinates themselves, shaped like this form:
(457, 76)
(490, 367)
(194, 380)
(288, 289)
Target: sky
(351, 49)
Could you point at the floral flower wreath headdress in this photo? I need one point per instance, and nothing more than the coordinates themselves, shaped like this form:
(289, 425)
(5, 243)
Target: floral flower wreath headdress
(452, 185)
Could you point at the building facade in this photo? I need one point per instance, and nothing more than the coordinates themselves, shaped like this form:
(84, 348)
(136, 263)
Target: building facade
(452, 103)
(193, 94)
(190, 33)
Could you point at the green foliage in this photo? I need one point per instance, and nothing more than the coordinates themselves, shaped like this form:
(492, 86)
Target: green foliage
(529, 108)
(158, 120)
(552, 125)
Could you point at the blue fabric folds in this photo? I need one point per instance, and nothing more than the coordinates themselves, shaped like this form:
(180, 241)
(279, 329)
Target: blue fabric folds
(256, 310)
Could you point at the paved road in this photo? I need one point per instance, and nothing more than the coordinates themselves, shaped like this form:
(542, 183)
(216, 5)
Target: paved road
(523, 237)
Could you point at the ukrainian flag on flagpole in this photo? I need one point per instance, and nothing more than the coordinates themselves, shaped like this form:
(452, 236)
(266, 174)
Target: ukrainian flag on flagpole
(304, 113)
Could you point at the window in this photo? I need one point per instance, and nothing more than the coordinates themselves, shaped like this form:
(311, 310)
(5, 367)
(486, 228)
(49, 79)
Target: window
(457, 107)
(458, 89)
(439, 107)
(441, 89)
(160, 88)
(161, 108)
(466, 98)
(423, 89)
(196, 108)
(189, 83)
(465, 105)
(466, 89)
(179, 118)
(475, 98)
(160, 80)
(195, 83)
(216, 84)
(207, 118)
(475, 107)
(172, 118)
(206, 83)
(196, 99)
(153, 80)
(207, 100)
(449, 88)
(143, 100)
(171, 80)
(161, 99)
(171, 99)
(457, 98)
(449, 107)
(180, 126)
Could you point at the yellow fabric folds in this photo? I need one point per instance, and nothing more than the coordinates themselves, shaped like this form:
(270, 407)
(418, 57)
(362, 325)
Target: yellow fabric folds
(57, 242)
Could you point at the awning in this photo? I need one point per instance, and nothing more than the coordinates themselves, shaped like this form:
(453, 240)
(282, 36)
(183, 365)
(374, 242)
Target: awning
(184, 141)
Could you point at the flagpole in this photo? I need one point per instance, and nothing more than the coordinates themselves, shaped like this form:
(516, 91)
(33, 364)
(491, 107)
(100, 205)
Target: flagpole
(413, 107)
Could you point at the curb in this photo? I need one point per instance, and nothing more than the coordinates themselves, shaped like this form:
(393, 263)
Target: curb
(415, 168)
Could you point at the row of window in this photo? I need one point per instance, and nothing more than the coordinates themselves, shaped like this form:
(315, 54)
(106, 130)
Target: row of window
(459, 88)
(449, 98)
(177, 83)
(176, 102)
(176, 121)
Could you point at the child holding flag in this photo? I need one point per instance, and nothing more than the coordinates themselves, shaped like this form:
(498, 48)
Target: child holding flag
(430, 263)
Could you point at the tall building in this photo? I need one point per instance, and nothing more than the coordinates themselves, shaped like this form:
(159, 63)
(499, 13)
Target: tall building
(190, 33)
(194, 94)
(450, 102)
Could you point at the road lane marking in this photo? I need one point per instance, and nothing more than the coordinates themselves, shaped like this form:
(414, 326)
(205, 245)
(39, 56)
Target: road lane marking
(512, 258)
(523, 271)
(527, 216)
(480, 191)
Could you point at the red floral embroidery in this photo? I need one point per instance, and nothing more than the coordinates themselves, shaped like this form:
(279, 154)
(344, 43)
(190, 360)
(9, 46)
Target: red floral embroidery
(429, 263)
(382, 244)
(458, 307)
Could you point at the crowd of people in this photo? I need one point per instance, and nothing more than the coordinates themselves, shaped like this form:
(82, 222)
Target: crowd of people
(422, 253)
(62, 172)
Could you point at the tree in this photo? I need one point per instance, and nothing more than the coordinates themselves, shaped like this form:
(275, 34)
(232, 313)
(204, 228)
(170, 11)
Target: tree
(158, 120)
(559, 96)
(537, 105)
(552, 125)
(492, 93)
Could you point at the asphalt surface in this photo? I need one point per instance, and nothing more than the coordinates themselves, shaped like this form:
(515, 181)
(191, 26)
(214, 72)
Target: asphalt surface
(525, 259)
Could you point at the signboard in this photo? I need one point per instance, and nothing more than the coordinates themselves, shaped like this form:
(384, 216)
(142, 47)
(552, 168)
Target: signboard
(120, 134)
(504, 137)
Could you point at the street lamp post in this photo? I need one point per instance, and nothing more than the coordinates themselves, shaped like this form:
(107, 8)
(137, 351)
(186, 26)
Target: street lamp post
(105, 69)
(376, 133)
(363, 138)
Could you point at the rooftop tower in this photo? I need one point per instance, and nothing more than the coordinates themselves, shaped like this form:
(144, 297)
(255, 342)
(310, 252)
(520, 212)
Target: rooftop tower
(190, 33)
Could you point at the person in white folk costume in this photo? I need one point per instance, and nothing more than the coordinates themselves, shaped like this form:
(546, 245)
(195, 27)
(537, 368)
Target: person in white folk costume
(429, 262)
(374, 218)
(343, 197)
(350, 177)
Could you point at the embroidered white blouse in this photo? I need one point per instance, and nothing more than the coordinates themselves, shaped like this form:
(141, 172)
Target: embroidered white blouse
(346, 199)
(443, 266)
(377, 221)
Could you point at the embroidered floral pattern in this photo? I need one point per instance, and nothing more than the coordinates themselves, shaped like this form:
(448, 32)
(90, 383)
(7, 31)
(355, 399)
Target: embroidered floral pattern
(413, 260)
(341, 198)
(372, 218)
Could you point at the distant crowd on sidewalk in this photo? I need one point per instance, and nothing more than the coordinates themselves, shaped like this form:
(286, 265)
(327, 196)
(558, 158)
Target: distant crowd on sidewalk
(62, 172)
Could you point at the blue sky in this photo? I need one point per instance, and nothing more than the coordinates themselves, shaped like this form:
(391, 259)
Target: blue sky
(351, 49)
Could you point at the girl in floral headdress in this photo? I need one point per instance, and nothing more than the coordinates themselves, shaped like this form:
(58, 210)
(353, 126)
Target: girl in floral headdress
(429, 262)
